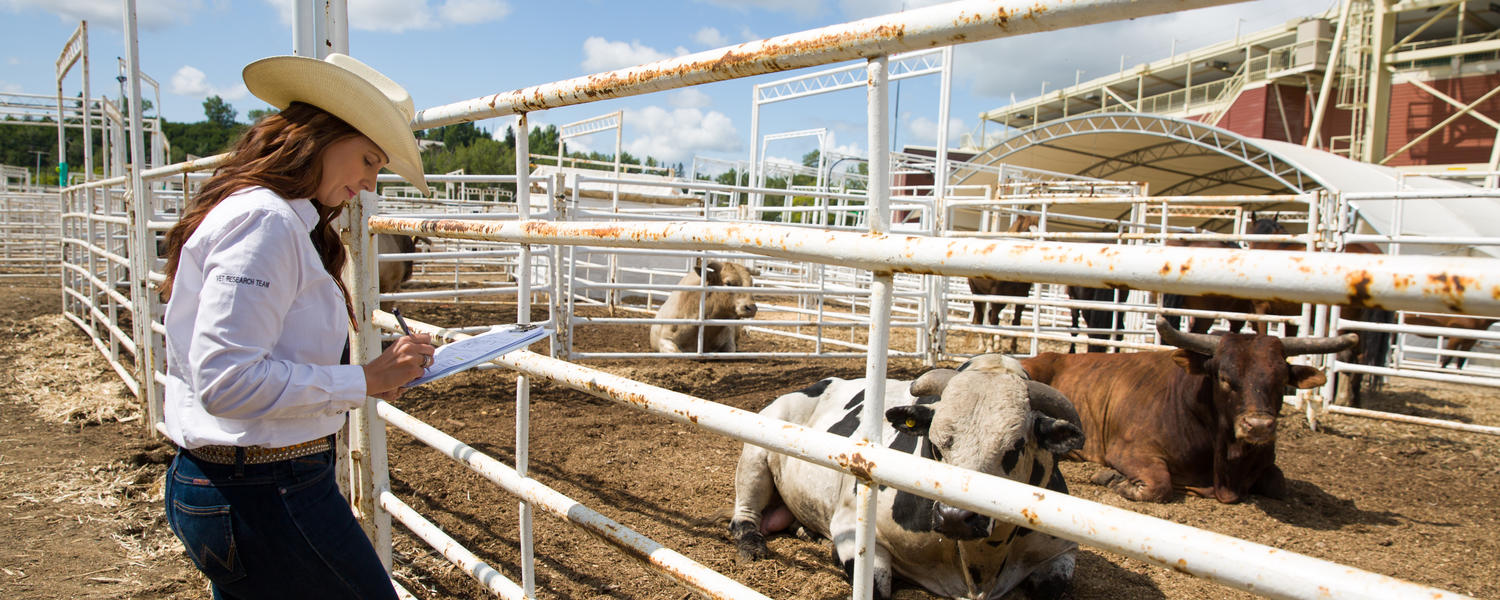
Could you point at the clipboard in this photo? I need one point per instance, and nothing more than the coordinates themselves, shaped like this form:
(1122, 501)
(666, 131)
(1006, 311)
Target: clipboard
(467, 353)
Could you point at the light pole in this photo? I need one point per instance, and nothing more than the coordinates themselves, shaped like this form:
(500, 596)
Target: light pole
(828, 181)
(39, 154)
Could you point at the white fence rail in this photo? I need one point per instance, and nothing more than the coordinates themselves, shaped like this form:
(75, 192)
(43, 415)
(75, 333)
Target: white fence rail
(30, 228)
(110, 244)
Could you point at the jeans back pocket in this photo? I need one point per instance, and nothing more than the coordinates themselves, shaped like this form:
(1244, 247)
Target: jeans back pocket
(208, 534)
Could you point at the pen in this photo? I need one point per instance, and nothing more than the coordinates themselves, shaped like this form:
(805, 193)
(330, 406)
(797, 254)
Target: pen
(397, 313)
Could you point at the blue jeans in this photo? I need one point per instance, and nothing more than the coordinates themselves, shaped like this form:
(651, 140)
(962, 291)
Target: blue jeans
(275, 530)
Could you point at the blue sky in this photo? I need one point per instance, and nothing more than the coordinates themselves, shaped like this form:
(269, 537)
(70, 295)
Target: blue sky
(446, 51)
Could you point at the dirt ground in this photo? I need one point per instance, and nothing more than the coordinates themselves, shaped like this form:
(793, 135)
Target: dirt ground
(80, 480)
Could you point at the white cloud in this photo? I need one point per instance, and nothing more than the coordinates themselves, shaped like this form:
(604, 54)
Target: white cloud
(711, 38)
(500, 125)
(860, 9)
(12, 61)
(689, 98)
(189, 81)
(600, 54)
(782, 161)
(923, 131)
(847, 150)
(1019, 65)
(396, 16)
(156, 14)
(10, 88)
(746, 35)
(676, 135)
(469, 12)
(800, 8)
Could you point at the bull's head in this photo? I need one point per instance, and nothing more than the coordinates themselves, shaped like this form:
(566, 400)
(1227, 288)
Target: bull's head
(989, 418)
(736, 275)
(1249, 372)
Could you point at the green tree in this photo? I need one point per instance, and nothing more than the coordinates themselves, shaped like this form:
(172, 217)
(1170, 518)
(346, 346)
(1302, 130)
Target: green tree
(810, 159)
(730, 177)
(125, 106)
(459, 135)
(543, 142)
(256, 114)
(219, 112)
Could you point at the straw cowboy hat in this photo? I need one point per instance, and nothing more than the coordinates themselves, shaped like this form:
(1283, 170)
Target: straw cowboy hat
(350, 90)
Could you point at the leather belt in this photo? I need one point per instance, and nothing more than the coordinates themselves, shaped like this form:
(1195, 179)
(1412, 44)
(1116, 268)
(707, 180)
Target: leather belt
(257, 455)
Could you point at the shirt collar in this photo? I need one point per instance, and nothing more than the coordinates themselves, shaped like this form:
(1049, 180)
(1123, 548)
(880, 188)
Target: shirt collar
(305, 210)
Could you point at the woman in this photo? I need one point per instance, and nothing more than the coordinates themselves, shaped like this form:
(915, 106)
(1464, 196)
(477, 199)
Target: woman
(256, 321)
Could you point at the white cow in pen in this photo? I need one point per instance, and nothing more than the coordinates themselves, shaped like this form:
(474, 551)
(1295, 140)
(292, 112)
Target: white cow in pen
(986, 417)
(684, 304)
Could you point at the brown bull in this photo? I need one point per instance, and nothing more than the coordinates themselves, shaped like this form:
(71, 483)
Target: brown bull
(1210, 302)
(1454, 343)
(988, 313)
(393, 274)
(1201, 418)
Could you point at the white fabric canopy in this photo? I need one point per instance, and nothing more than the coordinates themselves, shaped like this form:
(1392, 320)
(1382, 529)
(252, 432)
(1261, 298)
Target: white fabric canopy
(1179, 157)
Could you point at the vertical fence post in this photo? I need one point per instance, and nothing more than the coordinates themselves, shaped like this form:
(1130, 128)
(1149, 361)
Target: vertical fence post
(937, 303)
(523, 315)
(872, 420)
(559, 309)
(366, 460)
(141, 246)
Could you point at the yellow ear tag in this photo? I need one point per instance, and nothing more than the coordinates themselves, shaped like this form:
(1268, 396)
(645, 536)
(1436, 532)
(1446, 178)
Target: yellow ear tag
(911, 423)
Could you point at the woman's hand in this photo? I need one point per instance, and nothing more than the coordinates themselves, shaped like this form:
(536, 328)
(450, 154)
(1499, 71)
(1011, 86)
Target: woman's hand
(402, 362)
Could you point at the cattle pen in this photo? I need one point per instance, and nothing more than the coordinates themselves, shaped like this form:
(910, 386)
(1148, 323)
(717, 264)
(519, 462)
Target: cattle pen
(546, 245)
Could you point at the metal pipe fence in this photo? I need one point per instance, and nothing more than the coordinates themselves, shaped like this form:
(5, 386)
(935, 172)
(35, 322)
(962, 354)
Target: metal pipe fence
(30, 227)
(1416, 352)
(1236, 563)
(864, 256)
(877, 278)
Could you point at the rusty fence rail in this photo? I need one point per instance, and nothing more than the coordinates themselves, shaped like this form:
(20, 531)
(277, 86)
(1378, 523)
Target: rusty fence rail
(1331, 278)
(1233, 562)
(111, 231)
(1418, 283)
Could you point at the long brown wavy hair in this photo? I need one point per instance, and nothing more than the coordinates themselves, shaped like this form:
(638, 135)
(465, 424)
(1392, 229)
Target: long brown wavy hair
(281, 152)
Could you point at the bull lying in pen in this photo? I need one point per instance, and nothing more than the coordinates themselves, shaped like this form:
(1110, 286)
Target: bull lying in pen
(684, 304)
(985, 417)
(1201, 418)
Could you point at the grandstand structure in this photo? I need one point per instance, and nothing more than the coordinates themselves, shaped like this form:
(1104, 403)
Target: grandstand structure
(1404, 84)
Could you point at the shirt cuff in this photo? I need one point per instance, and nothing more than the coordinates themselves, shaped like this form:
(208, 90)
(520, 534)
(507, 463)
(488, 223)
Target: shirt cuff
(349, 385)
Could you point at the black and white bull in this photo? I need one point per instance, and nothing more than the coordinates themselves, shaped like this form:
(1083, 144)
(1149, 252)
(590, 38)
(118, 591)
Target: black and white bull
(984, 417)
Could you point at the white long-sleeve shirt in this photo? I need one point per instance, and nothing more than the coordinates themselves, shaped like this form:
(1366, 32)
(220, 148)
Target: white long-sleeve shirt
(255, 328)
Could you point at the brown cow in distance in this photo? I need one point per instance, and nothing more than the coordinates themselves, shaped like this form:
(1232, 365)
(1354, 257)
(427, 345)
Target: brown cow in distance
(1201, 418)
(393, 274)
(1207, 302)
(1461, 344)
(988, 313)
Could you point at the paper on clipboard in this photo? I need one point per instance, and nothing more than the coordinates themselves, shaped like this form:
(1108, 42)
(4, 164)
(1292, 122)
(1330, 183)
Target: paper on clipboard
(465, 354)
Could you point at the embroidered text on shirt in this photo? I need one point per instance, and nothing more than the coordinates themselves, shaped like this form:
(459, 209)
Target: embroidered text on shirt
(242, 280)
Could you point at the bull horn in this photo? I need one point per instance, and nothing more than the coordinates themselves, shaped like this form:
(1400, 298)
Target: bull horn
(1050, 402)
(932, 382)
(1201, 343)
(1319, 345)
